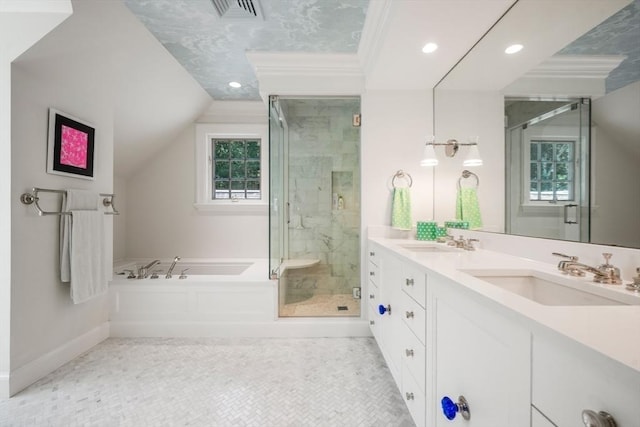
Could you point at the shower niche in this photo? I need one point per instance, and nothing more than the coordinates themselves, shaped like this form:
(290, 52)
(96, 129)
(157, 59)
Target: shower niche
(315, 205)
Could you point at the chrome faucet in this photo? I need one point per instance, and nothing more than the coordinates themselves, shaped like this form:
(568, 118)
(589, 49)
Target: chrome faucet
(143, 272)
(173, 264)
(605, 273)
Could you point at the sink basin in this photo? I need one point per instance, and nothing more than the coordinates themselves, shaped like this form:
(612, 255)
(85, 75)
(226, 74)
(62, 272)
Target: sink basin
(547, 289)
(426, 247)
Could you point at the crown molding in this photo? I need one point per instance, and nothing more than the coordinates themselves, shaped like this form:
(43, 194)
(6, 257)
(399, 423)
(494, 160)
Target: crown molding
(576, 66)
(373, 33)
(298, 73)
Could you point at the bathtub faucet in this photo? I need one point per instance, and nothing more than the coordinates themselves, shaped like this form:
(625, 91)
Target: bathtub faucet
(143, 272)
(175, 260)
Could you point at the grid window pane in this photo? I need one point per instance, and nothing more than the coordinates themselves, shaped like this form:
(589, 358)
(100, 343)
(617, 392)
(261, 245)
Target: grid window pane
(546, 151)
(221, 169)
(551, 170)
(534, 151)
(236, 169)
(253, 150)
(237, 150)
(221, 150)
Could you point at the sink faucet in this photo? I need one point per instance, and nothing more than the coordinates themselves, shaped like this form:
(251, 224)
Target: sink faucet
(467, 244)
(173, 264)
(605, 273)
(143, 272)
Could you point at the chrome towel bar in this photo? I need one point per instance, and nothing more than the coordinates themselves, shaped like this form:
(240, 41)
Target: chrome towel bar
(33, 199)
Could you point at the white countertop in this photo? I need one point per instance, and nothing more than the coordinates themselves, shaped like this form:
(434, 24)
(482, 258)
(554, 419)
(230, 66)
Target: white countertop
(613, 331)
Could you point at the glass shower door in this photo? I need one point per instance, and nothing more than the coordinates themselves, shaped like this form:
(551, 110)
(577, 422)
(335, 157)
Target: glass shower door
(548, 175)
(277, 228)
(315, 205)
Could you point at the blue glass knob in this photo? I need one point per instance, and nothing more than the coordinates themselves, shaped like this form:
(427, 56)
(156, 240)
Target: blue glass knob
(382, 309)
(449, 408)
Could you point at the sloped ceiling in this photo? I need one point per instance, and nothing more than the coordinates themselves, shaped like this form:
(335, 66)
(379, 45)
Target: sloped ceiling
(109, 52)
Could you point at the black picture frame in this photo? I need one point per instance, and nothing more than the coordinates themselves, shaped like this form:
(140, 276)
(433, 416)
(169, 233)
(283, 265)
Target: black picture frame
(71, 146)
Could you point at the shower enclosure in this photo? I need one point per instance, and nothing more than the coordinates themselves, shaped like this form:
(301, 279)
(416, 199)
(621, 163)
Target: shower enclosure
(314, 201)
(547, 146)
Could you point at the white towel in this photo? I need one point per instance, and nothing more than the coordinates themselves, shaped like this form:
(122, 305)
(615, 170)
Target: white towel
(73, 200)
(87, 272)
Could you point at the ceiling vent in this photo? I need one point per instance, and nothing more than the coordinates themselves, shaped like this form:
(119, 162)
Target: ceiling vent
(238, 9)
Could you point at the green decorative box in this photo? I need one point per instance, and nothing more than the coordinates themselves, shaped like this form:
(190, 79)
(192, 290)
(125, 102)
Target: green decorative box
(426, 230)
(457, 224)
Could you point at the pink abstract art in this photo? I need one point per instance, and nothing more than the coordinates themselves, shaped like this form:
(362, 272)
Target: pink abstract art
(74, 147)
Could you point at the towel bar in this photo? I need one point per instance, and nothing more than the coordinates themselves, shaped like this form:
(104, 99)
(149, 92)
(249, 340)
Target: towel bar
(33, 199)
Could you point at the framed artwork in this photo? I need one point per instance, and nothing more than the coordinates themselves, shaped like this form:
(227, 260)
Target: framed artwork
(71, 146)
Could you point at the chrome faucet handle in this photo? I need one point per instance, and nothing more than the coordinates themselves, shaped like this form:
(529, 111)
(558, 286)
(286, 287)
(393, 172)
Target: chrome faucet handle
(610, 273)
(154, 274)
(569, 257)
(182, 275)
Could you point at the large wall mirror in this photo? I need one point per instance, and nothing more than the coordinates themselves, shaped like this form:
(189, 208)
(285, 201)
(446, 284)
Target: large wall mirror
(558, 122)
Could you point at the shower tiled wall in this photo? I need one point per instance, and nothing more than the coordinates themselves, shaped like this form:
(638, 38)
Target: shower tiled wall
(324, 153)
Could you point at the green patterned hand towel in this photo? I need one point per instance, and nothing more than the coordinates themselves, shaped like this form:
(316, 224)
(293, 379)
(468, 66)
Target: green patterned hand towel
(468, 208)
(401, 209)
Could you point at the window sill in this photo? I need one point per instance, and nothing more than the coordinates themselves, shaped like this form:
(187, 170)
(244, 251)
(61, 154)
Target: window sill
(233, 208)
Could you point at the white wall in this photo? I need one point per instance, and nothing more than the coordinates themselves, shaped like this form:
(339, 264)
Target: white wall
(615, 165)
(43, 317)
(21, 25)
(162, 221)
(394, 127)
(458, 115)
(120, 221)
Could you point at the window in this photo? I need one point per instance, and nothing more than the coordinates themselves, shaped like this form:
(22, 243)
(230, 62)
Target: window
(232, 168)
(236, 169)
(551, 170)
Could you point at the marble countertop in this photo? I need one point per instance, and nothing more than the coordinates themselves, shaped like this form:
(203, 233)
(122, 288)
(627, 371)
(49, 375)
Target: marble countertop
(613, 330)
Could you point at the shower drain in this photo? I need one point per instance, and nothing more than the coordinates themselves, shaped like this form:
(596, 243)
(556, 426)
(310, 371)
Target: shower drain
(342, 308)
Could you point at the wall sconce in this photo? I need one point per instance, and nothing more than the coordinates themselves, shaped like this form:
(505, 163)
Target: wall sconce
(451, 147)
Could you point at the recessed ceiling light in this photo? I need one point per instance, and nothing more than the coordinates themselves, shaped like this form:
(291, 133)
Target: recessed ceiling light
(429, 47)
(514, 48)
(235, 85)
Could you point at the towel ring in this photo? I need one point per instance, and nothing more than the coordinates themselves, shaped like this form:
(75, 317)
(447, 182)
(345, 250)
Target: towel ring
(402, 174)
(467, 174)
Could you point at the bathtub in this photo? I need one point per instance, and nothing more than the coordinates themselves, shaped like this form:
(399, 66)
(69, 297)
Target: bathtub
(218, 297)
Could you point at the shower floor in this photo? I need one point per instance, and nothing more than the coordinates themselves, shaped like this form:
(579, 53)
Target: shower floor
(323, 306)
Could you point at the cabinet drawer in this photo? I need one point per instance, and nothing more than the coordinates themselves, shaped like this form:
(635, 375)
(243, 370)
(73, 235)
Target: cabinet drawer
(413, 316)
(373, 323)
(568, 378)
(414, 398)
(415, 284)
(374, 274)
(414, 357)
(373, 254)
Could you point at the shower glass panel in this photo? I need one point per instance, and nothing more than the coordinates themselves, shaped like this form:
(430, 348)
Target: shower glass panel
(548, 168)
(315, 205)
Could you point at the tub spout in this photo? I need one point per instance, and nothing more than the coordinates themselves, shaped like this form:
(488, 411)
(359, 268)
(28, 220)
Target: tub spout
(173, 264)
(143, 272)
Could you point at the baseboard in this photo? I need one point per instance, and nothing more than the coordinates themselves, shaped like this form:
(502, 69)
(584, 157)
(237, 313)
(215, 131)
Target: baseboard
(27, 374)
(4, 385)
(281, 328)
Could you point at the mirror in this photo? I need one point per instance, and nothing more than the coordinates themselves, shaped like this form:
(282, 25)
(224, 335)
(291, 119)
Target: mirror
(576, 79)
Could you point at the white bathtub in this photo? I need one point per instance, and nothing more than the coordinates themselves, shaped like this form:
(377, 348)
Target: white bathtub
(218, 295)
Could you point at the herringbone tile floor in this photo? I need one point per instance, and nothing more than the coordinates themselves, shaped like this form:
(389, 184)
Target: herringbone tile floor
(268, 382)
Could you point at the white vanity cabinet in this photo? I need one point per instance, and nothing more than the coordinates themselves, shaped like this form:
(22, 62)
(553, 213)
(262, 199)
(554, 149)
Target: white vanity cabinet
(480, 355)
(373, 287)
(568, 378)
(399, 326)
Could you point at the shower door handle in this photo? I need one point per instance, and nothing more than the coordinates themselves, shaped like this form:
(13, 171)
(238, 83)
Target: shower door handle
(288, 213)
(573, 220)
